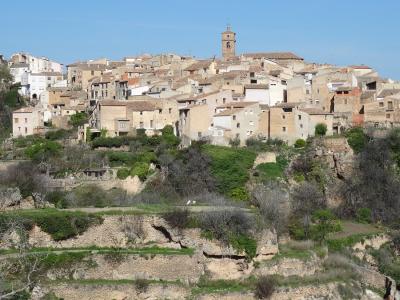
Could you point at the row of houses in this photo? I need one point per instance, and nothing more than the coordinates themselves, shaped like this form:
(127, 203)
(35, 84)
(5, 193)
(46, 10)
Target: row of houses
(232, 98)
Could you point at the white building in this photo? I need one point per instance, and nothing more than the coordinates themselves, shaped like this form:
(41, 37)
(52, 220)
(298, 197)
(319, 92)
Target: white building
(34, 85)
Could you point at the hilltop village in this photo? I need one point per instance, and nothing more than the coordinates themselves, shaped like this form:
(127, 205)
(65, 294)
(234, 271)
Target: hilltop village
(271, 95)
(248, 176)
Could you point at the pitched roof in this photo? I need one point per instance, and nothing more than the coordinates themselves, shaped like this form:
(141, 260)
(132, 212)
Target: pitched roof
(388, 92)
(228, 112)
(315, 111)
(256, 86)
(237, 104)
(199, 65)
(274, 55)
(137, 105)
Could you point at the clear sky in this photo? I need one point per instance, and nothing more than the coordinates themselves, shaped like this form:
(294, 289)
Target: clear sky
(342, 32)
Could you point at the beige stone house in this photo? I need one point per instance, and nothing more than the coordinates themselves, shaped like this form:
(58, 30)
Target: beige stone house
(383, 113)
(289, 122)
(236, 120)
(27, 121)
(79, 74)
(194, 123)
(124, 117)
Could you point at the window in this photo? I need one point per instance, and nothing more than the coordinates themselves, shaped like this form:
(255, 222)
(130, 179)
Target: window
(19, 129)
(283, 117)
(301, 125)
(387, 116)
(169, 110)
(151, 124)
(26, 130)
(234, 117)
(26, 120)
(199, 134)
(284, 129)
(380, 104)
(345, 101)
(16, 120)
(299, 117)
(223, 100)
(160, 111)
(238, 125)
(390, 105)
(141, 113)
(141, 125)
(92, 72)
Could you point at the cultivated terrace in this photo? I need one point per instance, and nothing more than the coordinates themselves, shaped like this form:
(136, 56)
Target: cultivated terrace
(250, 176)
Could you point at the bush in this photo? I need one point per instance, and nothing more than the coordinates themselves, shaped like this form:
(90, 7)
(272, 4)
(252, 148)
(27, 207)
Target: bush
(177, 218)
(78, 119)
(57, 198)
(244, 243)
(356, 139)
(25, 176)
(239, 193)
(224, 225)
(42, 151)
(60, 225)
(229, 166)
(89, 196)
(265, 287)
(364, 215)
(300, 143)
(57, 134)
(142, 285)
(123, 173)
(324, 223)
(169, 137)
(140, 169)
(320, 129)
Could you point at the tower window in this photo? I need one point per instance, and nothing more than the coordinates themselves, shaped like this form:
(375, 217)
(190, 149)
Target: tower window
(228, 45)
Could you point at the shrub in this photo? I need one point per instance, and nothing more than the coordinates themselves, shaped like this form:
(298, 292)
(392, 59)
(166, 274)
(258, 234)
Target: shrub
(229, 166)
(320, 129)
(78, 119)
(141, 285)
(270, 171)
(265, 287)
(324, 223)
(168, 136)
(57, 134)
(140, 169)
(364, 215)
(356, 139)
(177, 218)
(89, 196)
(300, 143)
(43, 150)
(223, 225)
(239, 193)
(57, 198)
(245, 243)
(60, 225)
(123, 173)
(25, 176)
(234, 142)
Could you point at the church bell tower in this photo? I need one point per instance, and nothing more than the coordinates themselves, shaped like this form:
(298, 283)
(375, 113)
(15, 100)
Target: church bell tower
(228, 43)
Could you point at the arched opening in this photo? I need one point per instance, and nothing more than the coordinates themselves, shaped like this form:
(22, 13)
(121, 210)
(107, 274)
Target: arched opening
(34, 96)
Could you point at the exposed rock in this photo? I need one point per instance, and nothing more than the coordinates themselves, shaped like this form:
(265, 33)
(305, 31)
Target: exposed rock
(267, 245)
(228, 269)
(289, 267)
(120, 292)
(9, 198)
(265, 157)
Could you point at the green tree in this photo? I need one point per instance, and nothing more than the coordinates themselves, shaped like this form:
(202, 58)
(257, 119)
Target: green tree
(320, 129)
(325, 222)
(356, 139)
(78, 119)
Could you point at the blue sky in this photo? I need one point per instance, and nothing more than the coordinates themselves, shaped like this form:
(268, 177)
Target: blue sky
(342, 32)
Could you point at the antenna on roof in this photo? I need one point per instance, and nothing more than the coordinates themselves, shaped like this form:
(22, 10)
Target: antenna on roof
(228, 27)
